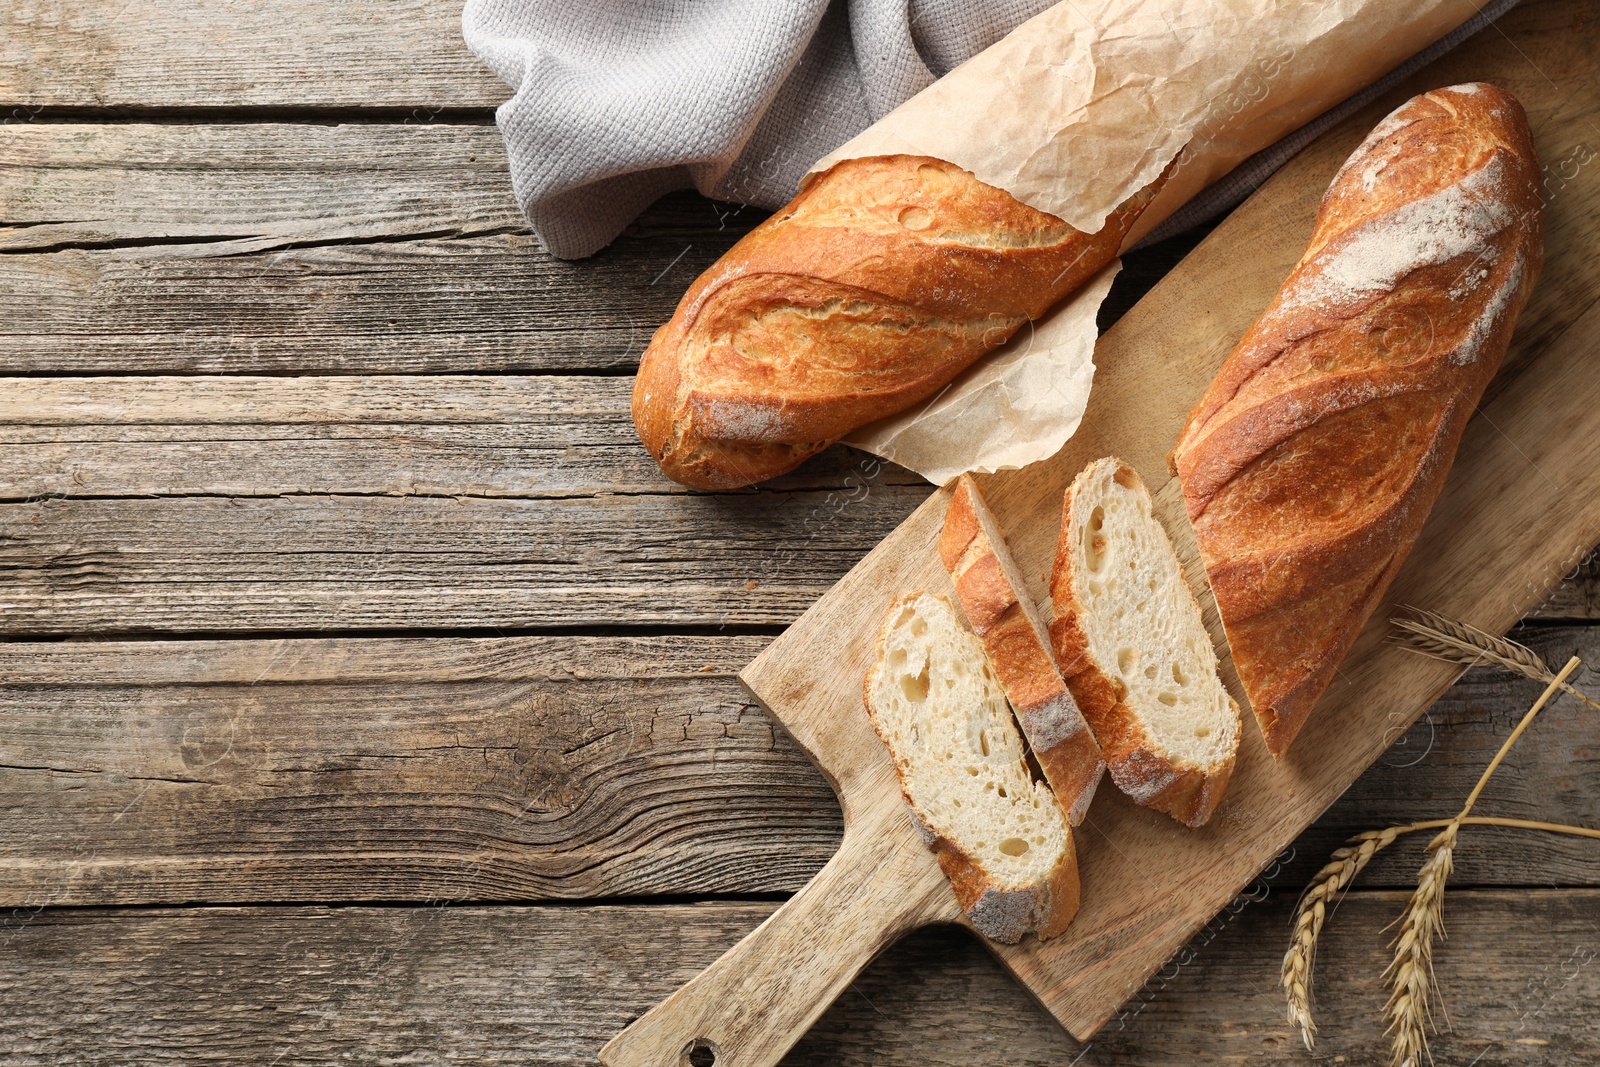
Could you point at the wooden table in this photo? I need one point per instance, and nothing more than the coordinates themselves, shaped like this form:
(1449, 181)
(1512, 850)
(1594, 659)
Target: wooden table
(367, 694)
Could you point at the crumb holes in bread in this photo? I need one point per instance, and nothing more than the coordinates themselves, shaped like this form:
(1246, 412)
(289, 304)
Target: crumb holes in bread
(916, 218)
(915, 686)
(1125, 661)
(1178, 675)
(1014, 846)
(698, 1053)
(1169, 699)
(1202, 731)
(1120, 689)
(1094, 542)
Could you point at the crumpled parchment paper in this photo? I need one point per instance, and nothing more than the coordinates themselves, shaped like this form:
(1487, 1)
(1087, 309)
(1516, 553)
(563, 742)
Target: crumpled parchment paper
(1073, 112)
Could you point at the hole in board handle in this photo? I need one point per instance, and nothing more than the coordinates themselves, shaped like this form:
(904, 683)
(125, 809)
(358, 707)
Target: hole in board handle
(698, 1053)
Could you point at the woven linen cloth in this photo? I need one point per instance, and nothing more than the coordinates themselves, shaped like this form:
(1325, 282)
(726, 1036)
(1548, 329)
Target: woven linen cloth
(617, 102)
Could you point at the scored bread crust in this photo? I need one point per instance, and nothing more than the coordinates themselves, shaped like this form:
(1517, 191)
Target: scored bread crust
(874, 287)
(1002, 614)
(1139, 766)
(1310, 464)
(999, 912)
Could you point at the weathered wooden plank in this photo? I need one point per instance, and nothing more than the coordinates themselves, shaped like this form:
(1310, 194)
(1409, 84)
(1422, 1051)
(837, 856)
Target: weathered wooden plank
(550, 985)
(1577, 597)
(142, 53)
(446, 304)
(401, 435)
(316, 770)
(256, 185)
(518, 768)
(320, 563)
(277, 247)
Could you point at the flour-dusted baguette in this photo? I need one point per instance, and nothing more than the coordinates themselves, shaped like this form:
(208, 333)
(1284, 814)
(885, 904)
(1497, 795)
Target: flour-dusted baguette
(997, 604)
(1311, 462)
(1129, 637)
(1001, 838)
(884, 279)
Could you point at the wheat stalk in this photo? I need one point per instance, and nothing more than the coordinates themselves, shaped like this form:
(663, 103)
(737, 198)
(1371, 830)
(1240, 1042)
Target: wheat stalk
(1434, 635)
(1325, 889)
(1331, 882)
(1410, 973)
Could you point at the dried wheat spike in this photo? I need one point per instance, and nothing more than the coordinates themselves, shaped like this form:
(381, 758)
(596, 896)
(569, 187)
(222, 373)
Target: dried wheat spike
(1324, 890)
(1410, 975)
(1445, 638)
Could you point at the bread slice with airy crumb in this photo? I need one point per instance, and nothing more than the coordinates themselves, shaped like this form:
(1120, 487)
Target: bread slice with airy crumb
(1001, 838)
(1000, 611)
(1129, 638)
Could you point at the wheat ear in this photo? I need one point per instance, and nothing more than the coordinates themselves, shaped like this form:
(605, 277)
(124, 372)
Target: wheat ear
(1410, 975)
(1324, 890)
(1332, 881)
(1444, 638)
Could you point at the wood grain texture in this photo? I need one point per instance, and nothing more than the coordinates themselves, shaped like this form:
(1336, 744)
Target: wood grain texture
(1519, 512)
(518, 768)
(397, 769)
(547, 985)
(445, 304)
(121, 488)
(489, 435)
(295, 247)
(333, 562)
(143, 53)
(262, 185)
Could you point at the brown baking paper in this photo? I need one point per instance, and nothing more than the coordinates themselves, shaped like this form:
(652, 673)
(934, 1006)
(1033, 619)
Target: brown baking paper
(1080, 107)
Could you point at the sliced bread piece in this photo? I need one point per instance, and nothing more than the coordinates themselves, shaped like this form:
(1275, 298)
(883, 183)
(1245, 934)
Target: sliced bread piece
(996, 602)
(1129, 638)
(1001, 838)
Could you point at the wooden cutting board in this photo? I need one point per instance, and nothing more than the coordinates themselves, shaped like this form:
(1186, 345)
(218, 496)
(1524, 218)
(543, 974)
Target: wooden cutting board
(1521, 508)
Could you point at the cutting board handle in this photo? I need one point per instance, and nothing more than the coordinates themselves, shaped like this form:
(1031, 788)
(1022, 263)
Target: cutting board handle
(749, 1007)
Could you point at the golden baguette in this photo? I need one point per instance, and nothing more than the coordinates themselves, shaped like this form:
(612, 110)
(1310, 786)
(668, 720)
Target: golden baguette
(1311, 462)
(884, 279)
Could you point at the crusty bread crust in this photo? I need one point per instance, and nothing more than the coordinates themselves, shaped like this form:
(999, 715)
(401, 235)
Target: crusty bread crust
(999, 913)
(1004, 915)
(1138, 766)
(1019, 650)
(1312, 461)
(872, 289)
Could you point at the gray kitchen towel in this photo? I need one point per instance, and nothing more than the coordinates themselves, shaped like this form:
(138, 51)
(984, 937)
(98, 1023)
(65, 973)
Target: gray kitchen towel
(616, 102)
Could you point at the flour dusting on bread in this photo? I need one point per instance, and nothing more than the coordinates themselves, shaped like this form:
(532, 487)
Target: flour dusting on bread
(1370, 259)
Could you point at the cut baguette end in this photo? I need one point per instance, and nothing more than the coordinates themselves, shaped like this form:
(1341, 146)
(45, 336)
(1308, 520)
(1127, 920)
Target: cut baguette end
(997, 604)
(1130, 639)
(1001, 838)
